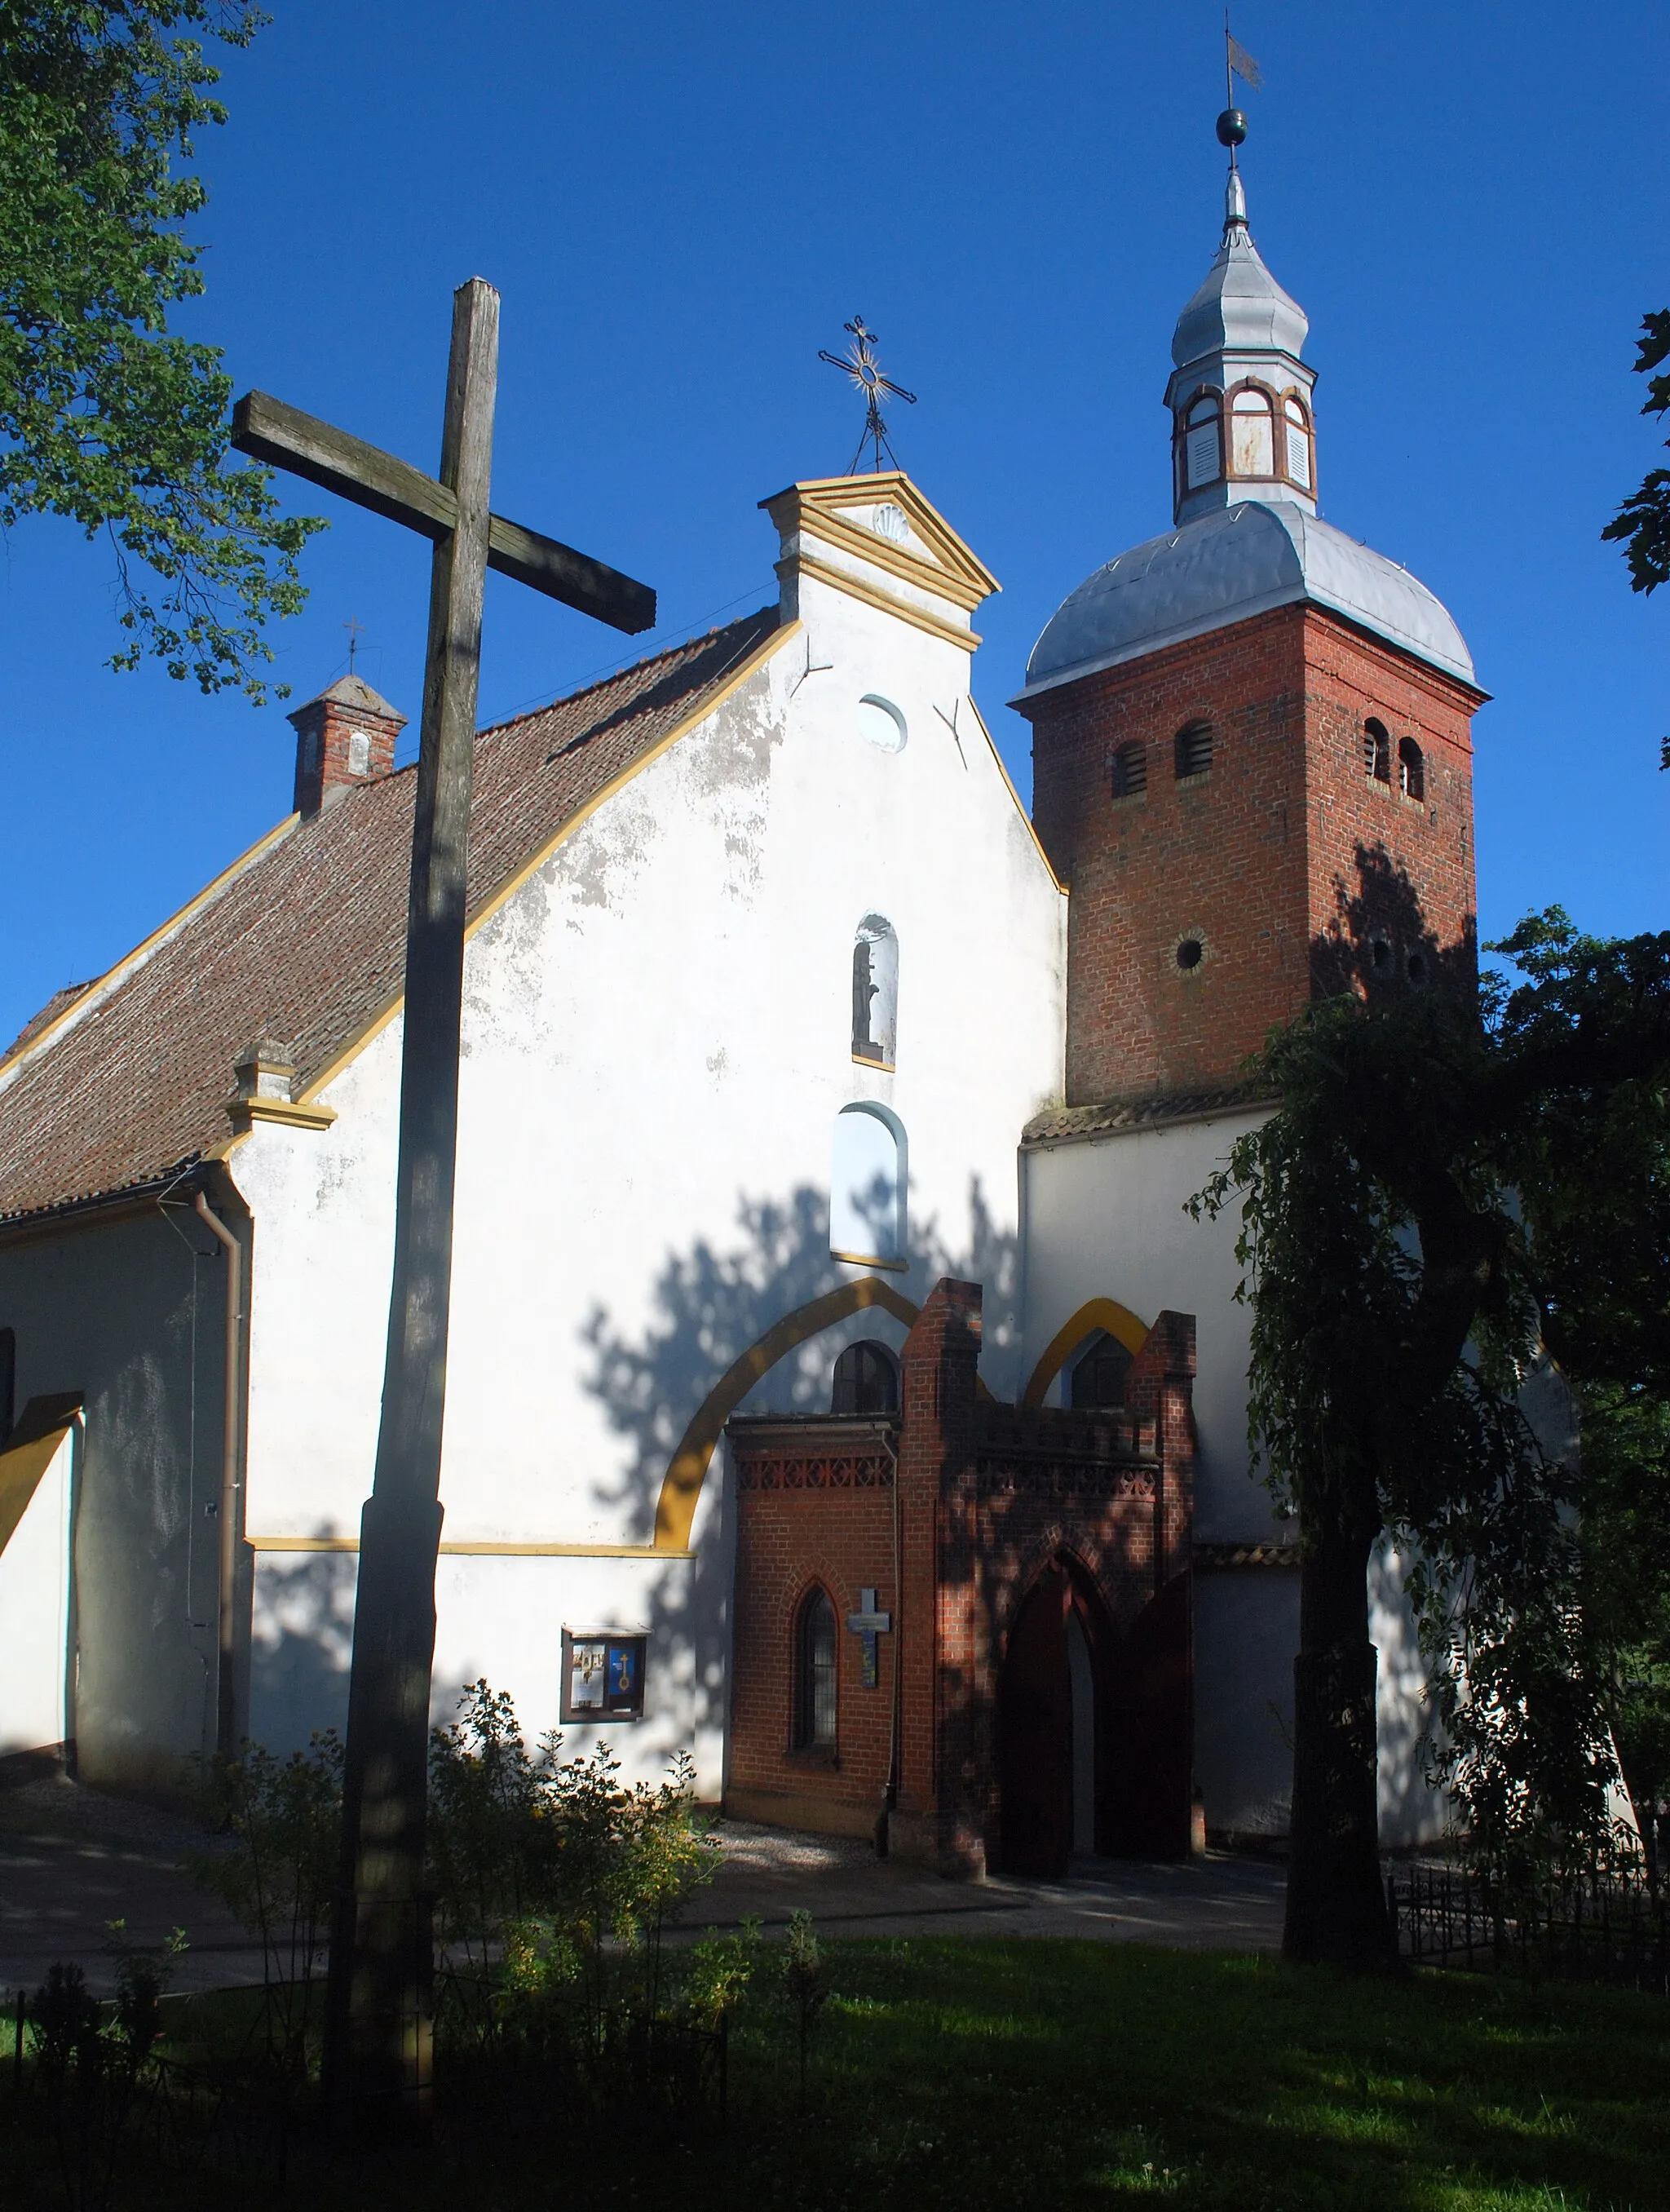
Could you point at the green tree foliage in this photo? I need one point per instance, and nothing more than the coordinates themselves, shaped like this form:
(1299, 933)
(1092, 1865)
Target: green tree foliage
(1641, 523)
(1455, 1185)
(105, 419)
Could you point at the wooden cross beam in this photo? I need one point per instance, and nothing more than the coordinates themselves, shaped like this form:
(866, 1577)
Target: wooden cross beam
(284, 438)
(380, 2012)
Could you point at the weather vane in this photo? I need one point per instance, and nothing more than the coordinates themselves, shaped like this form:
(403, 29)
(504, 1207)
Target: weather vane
(860, 363)
(1237, 63)
(353, 629)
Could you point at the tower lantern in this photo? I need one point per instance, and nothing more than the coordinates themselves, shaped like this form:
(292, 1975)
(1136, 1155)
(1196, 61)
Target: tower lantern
(1240, 395)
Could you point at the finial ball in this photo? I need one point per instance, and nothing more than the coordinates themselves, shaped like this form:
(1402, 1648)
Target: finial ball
(1232, 128)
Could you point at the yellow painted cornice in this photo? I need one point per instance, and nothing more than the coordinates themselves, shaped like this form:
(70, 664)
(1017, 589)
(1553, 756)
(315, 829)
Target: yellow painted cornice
(294, 1111)
(1008, 785)
(821, 507)
(844, 579)
(485, 1550)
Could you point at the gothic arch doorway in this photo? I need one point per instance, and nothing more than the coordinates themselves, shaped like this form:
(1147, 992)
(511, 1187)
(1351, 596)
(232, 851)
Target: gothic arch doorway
(1052, 1723)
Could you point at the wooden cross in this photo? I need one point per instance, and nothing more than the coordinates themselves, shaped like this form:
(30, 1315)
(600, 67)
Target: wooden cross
(379, 2009)
(866, 1623)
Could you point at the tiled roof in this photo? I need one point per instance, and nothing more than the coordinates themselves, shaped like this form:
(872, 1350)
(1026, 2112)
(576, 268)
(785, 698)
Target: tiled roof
(65, 996)
(305, 940)
(1061, 1124)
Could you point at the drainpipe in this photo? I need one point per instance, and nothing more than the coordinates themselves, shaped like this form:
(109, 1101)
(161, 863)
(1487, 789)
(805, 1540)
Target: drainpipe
(891, 1800)
(225, 1675)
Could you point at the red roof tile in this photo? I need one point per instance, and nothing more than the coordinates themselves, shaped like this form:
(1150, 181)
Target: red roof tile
(304, 940)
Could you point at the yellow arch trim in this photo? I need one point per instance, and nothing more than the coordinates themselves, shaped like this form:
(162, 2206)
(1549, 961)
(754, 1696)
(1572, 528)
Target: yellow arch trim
(687, 1470)
(1096, 1313)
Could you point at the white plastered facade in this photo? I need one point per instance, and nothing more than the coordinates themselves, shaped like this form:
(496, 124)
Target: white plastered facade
(657, 1043)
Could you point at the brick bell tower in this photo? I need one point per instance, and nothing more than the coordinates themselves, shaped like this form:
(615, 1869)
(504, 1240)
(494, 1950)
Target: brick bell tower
(1251, 736)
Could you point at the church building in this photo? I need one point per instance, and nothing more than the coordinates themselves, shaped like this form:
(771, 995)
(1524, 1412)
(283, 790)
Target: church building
(838, 1389)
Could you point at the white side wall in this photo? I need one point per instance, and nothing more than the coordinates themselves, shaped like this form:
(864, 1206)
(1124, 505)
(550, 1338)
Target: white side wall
(657, 1043)
(127, 1312)
(36, 1683)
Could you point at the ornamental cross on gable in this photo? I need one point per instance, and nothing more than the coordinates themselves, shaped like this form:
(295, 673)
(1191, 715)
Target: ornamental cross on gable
(867, 1624)
(860, 363)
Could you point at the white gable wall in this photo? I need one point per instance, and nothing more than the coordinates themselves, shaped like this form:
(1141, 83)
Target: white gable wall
(657, 1043)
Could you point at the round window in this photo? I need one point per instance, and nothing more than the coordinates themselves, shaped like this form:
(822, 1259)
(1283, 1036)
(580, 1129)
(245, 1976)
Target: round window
(882, 723)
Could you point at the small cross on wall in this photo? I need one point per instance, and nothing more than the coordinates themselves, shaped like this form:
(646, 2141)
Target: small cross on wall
(867, 1624)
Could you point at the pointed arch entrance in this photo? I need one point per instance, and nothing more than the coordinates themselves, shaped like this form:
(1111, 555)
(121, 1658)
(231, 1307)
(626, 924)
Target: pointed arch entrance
(1053, 1723)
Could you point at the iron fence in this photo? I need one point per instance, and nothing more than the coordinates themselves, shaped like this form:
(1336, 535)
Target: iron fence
(1615, 1931)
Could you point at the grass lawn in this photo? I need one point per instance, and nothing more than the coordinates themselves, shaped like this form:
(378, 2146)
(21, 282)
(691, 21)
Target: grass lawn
(961, 2073)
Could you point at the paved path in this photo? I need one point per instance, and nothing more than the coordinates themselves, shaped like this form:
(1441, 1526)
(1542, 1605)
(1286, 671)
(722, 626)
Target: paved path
(71, 1859)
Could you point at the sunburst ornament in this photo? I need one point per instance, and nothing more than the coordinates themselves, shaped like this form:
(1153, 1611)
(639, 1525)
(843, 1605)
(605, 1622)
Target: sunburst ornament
(860, 365)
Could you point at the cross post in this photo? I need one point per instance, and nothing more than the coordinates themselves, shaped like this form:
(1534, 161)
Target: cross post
(867, 1624)
(380, 2006)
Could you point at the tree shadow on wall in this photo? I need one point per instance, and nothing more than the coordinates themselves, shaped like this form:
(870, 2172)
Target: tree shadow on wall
(709, 1304)
(1380, 938)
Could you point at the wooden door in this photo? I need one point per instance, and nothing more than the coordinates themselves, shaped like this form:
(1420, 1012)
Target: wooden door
(1034, 1713)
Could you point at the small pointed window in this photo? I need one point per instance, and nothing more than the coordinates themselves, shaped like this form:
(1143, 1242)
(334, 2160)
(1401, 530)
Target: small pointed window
(815, 1674)
(1099, 1373)
(1297, 427)
(866, 1380)
(1252, 444)
(1412, 769)
(1131, 771)
(1376, 751)
(1193, 750)
(1203, 442)
(875, 992)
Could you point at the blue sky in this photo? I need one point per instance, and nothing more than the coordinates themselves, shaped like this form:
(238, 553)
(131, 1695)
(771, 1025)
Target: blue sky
(681, 204)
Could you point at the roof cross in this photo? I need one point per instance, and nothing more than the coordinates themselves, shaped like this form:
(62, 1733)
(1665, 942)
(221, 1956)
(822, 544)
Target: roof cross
(860, 363)
(378, 2013)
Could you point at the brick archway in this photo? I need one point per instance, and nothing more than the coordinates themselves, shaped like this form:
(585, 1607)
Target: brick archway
(687, 1470)
(1053, 1710)
(1108, 1314)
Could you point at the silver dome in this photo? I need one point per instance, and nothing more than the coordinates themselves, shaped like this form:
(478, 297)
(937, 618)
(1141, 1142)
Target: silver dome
(1224, 567)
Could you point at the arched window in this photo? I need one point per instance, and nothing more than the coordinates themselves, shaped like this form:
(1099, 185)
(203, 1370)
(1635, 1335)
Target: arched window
(1131, 771)
(1412, 769)
(866, 1381)
(1202, 442)
(1098, 1373)
(815, 1674)
(1193, 750)
(1296, 424)
(867, 1187)
(1253, 438)
(1376, 751)
(875, 992)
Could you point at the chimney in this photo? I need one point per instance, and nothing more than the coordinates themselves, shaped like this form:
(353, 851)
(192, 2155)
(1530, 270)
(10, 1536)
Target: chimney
(344, 736)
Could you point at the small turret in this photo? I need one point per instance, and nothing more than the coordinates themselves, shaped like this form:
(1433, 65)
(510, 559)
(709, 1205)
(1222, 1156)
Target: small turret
(1240, 394)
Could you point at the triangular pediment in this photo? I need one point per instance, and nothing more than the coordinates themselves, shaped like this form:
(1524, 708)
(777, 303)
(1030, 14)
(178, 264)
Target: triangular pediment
(882, 518)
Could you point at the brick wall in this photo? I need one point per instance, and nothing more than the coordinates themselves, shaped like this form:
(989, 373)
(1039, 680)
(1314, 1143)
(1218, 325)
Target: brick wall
(1266, 862)
(988, 1497)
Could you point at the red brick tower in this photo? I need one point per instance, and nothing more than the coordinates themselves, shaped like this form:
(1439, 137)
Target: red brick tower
(1251, 752)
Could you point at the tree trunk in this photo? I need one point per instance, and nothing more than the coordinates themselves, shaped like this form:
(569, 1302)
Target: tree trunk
(1336, 1905)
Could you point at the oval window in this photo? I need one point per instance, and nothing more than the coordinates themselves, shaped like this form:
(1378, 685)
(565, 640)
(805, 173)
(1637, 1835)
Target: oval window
(880, 721)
